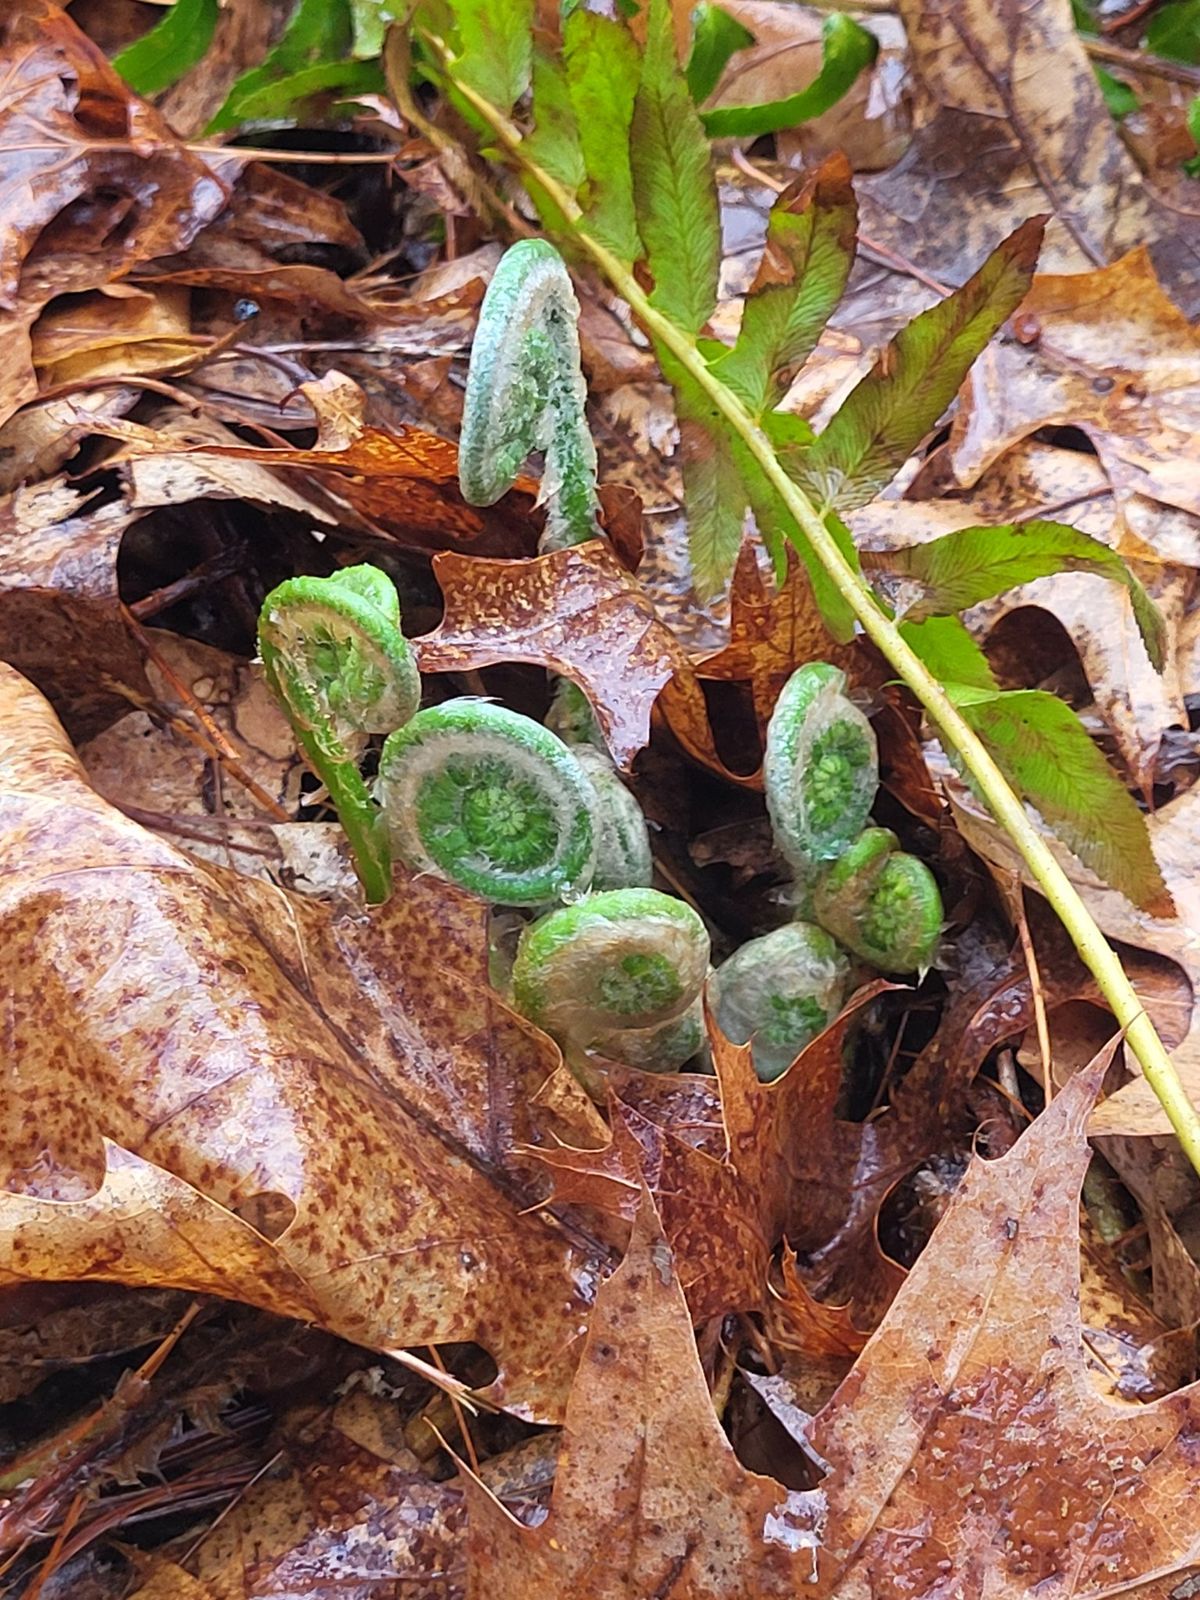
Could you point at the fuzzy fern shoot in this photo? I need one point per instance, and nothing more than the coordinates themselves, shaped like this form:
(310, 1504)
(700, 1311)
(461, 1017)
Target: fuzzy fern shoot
(340, 667)
(491, 800)
(525, 392)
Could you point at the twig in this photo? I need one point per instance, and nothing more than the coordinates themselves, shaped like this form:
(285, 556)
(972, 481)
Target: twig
(1141, 61)
(217, 744)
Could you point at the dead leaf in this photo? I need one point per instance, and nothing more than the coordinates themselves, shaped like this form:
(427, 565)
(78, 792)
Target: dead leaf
(60, 617)
(198, 1050)
(579, 613)
(113, 331)
(649, 1498)
(95, 181)
(1009, 122)
(1105, 351)
(795, 1320)
(968, 1439)
(772, 632)
(404, 483)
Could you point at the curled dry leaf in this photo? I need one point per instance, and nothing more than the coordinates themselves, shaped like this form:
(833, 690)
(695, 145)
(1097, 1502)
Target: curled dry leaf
(578, 612)
(60, 611)
(968, 1438)
(1010, 121)
(228, 1090)
(649, 1498)
(94, 181)
(403, 482)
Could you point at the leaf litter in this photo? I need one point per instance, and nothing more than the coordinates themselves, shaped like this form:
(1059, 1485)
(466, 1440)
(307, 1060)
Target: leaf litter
(229, 1082)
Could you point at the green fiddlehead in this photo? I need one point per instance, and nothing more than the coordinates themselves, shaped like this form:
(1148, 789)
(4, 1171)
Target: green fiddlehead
(525, 392)
(624, 959)
(340, 667)
(664, 1048)
(881, 903)
(623, 859)
(778, 992)
(821, 767)
(491, 800)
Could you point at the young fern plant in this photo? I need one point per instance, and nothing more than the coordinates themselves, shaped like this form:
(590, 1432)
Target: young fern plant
(492, 801)
(619, 974)
(526, 392)
(340, 667)
(626, 175)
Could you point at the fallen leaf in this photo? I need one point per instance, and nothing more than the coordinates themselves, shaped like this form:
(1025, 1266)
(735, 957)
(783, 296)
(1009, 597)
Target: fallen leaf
(649, 1498)
(1105, 351)
(114, 331)
(95, 182)
(968, 1439)
(579, 613)
(60, 615)
(192, 1113)
(404, 483)
(772, 631)
(1009, 121)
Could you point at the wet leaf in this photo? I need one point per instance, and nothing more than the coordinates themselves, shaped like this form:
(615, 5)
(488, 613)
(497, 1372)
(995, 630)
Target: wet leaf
(580, 614)
(968, 1433)
(94, 182)
(192, 1113)
(649, 1497)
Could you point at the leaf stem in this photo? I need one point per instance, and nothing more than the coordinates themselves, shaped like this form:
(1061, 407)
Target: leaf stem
(1094, 949)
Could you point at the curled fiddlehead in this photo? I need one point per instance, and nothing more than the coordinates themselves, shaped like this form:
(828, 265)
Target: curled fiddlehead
(821, 767)
(664, 1048)
(778, 992)
(340, 667)
(624, 959)
(491, 800)
(623, 859)
(881, 903)
(525, 392)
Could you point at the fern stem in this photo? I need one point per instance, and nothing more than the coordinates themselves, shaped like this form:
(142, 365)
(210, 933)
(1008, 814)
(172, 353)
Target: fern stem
(1094, 949)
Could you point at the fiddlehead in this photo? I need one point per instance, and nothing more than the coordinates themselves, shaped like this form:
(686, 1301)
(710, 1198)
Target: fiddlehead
(881, 903)
(491, 800)
(620, 960)
(525, 392)
(623, 859)
(337, 662)
(778, 992)
(662, 1049)
(821, 767)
